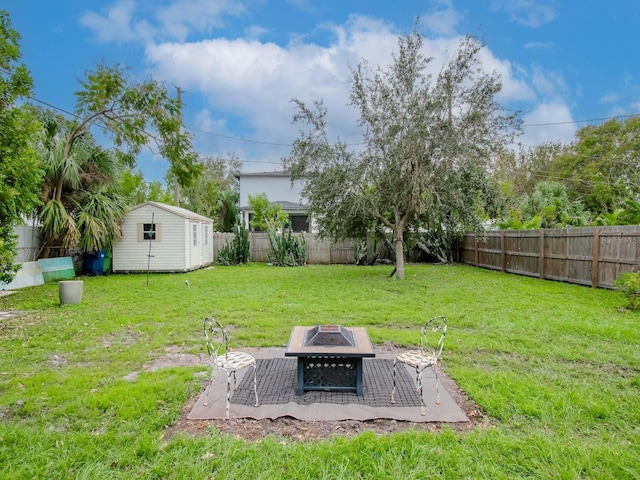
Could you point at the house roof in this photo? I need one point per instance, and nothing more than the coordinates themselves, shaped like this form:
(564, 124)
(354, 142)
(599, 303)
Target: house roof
(286, 206)
(181, 212)
(264, 174)
(289, 206)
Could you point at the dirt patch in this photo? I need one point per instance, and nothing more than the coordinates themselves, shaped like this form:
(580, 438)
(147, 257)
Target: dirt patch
(291, 429)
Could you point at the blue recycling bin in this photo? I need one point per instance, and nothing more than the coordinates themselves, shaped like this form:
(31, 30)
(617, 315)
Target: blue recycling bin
(94, 263)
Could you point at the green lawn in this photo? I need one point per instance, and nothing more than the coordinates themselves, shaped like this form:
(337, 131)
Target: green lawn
(556, 367)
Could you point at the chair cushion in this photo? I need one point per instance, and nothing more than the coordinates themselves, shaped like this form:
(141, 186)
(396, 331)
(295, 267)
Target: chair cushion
(235, 360)
(415, 358)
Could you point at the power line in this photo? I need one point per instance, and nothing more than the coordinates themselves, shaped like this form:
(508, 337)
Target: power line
(62, 110)
(277, 144)
(238, 138)
(261, 161)
(53, 106)
(603, 119)
(246, 140)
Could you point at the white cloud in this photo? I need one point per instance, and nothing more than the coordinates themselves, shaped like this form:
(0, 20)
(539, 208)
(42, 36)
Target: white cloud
(624, 99)
(443, 19)
(548, 84)
(127, 20)
(254, 32)
(184, 16)
(206, 121)
(539, 45)
(611, 97)
(514, 78)
(114, 25)
(548, 122)
(255, 81)
(306, 5)
(530, 13)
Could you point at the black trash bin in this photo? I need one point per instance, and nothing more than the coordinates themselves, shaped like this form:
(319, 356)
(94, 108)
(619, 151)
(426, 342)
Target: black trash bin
(87, 263)
(94, 263)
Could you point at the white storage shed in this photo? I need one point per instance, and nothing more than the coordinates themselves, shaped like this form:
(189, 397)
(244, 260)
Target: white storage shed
(163, 238)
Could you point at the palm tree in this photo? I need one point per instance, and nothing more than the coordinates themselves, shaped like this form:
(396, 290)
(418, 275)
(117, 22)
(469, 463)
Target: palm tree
(81, 206)
(551, 204)
(227, 207)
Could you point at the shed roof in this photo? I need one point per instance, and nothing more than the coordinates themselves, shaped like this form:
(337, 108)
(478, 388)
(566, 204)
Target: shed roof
(181, 212)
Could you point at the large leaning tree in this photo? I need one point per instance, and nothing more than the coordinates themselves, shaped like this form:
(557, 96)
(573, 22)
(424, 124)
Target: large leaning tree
(128, 114)
(81, 203)
(19, 168)
(428, 140)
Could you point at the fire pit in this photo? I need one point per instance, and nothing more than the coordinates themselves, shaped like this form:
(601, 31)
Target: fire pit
(329, 357)
(328, 336)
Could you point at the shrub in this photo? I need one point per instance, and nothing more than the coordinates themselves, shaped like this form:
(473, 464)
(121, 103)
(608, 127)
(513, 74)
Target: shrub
(285, 249)
(629, 284)
(238, 250)
(365, 255)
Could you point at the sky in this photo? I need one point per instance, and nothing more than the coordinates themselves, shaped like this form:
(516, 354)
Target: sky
(564, 64)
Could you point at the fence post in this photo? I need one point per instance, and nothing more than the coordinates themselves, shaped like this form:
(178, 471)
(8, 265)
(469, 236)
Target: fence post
(596, 258)
(503, 254)
(541, 265)
(476, 253)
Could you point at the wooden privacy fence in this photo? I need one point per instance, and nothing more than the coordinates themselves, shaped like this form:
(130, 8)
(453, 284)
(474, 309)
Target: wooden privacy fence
(319, 251)
(593, 256)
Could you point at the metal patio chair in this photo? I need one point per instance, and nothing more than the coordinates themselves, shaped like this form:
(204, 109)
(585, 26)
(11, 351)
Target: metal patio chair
(432, 336)
(222, 357)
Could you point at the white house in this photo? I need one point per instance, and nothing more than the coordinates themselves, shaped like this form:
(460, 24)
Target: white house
(279, 189)
(163, 238)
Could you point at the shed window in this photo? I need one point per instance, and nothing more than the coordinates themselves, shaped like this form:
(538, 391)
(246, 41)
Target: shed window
(195, 234)
(149, 231)
(206, 234)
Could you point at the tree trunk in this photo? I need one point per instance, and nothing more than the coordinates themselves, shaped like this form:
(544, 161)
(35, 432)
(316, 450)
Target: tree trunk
(399, 248)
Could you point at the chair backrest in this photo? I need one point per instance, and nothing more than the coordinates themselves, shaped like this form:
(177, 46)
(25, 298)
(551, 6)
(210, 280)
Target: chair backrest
(216, 337)
(432, 336)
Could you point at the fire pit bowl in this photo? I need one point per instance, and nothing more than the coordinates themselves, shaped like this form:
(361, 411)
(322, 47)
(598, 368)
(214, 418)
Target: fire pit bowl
(329, 336)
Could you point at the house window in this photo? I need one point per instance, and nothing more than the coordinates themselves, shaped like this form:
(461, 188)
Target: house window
(195, 235)
(299, 223)
(149, 231)
(206, 234)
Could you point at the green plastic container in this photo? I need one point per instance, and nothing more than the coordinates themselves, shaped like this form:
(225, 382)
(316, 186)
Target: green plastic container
(106, 266)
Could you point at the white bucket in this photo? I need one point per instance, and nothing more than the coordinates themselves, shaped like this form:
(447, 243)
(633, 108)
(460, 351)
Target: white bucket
(70, 291)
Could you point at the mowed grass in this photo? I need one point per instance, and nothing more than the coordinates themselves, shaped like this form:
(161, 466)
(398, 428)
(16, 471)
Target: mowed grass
(556, 367)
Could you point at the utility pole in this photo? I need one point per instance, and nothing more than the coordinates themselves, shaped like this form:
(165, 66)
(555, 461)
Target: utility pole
(176, 187)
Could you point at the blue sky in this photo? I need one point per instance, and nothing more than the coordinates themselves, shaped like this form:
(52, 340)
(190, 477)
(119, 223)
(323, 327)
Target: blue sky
(564, 64)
